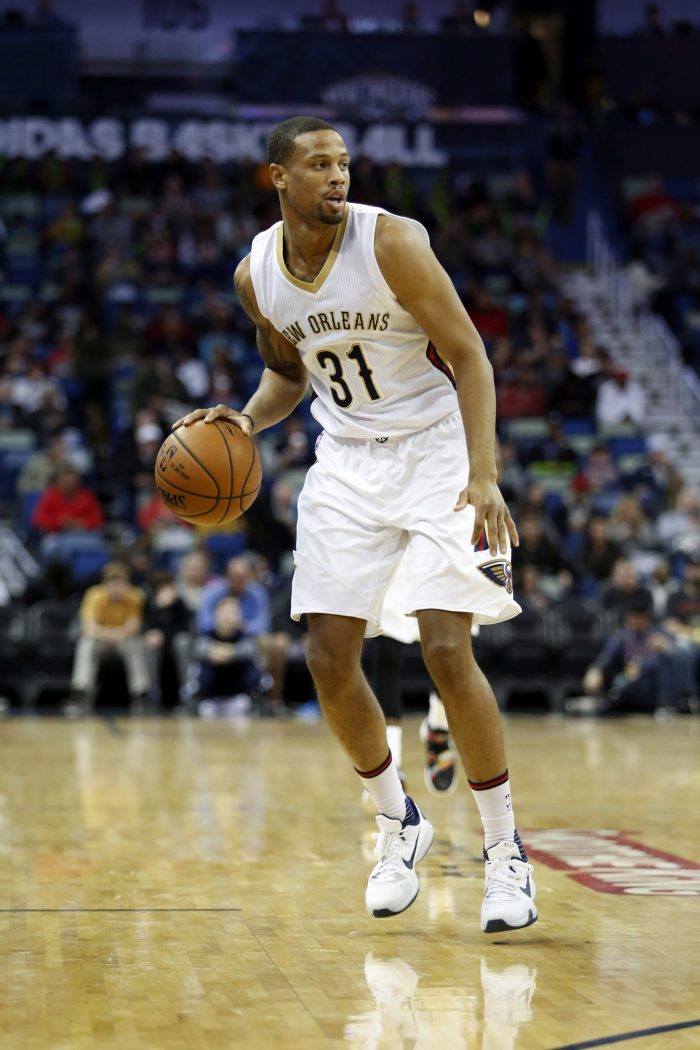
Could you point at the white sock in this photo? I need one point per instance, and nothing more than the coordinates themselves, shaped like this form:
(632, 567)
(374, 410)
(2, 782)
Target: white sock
(393, 736)
(385, 788)
(495, 808)
(437, 719)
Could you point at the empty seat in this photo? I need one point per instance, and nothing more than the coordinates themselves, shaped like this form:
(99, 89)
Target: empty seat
(52, 631)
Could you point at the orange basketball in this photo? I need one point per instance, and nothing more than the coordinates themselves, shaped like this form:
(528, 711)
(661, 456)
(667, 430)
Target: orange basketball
(208, 473)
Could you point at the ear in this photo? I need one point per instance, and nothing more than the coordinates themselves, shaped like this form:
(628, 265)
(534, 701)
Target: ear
(278, 174)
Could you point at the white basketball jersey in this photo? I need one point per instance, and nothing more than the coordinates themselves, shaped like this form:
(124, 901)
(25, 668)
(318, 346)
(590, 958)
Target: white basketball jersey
(371, 365)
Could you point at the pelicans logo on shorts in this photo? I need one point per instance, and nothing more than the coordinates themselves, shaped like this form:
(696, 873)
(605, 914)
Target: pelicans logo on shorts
(498, 572)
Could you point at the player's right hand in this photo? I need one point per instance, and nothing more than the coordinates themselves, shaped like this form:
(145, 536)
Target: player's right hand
(238, 419)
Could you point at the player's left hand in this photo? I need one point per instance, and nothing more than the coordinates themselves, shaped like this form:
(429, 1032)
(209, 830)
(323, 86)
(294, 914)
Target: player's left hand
(490, 513)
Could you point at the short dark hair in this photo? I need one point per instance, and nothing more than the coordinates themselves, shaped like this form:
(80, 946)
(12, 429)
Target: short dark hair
(281, 141)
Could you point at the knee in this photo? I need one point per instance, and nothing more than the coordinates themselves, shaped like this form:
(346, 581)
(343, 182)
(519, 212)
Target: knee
(328, 664)
(448, 660)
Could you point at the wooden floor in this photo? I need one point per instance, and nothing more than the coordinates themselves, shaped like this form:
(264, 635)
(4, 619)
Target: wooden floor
(182, 884)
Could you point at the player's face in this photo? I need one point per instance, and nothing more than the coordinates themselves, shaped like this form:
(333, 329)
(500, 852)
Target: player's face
(316, 178)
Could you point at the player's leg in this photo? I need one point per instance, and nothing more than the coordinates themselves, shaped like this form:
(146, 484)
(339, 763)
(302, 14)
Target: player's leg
(349, 706)
(356, 720)
(475, 726)
(384, 658)
(441, 771)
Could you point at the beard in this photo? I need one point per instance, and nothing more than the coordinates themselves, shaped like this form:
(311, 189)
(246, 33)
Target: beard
(331, 220)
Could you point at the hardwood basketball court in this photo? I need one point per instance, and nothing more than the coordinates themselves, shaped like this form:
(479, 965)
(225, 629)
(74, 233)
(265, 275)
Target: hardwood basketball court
(191, 885)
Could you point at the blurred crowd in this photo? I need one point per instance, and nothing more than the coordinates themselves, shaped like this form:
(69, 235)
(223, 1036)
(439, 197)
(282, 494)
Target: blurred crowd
(662, 221)
(117, 315)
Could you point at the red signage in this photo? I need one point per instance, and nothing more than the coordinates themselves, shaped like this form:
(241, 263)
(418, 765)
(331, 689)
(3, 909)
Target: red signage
(612, 862)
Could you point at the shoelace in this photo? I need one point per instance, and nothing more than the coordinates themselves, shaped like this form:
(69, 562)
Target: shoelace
(504, 877)
(388, 854)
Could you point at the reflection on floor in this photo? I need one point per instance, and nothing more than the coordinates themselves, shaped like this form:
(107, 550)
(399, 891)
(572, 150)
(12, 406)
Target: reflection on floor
(185, 885)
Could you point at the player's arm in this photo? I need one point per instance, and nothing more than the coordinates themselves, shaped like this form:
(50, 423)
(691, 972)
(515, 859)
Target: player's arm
(284, 379)
(424, 289)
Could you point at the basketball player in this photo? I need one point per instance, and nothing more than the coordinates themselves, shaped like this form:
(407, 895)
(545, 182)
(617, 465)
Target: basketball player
(352, 299)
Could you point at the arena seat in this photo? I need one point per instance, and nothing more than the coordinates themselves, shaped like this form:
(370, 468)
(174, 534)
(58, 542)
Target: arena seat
(13, 647)
(52, 631)
(222, 546)
(529, 659)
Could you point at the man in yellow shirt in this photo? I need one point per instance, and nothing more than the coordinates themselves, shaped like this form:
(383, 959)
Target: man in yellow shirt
(111, 617)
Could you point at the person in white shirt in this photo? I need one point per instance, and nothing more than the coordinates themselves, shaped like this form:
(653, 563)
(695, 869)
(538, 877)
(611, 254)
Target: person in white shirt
(353, 300)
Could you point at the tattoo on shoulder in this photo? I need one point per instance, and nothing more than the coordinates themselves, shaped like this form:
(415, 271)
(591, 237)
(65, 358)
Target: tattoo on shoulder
(246, 301)
(274, 355)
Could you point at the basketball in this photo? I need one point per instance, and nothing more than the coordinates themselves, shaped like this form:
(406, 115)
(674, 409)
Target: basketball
(208, 473)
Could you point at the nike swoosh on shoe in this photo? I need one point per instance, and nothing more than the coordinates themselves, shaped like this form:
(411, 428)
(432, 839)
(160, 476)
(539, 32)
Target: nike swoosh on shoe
(409, 863)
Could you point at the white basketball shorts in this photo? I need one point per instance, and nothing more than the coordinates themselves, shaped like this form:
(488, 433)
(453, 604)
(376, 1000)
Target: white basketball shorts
(366, 503)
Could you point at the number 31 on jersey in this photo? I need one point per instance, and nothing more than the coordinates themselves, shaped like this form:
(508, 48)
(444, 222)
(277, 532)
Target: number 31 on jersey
(332, 362)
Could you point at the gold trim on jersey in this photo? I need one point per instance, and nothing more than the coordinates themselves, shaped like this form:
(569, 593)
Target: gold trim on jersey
(315, 285)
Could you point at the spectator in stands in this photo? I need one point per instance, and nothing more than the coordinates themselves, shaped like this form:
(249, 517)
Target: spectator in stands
(645, 283)
(535, 549)
(226, 672)
(547, 508)
(532, 590)
(156, 387)
(554, 447)
(138, 465)
(192, 577)
(683, 607)
(55, 583)
(490, 318)
(640, 668)
(590, 359)
(619, 400)
(679, 529)
(601, 471)
(624, 591)
(512, 479)
(293, 449)
(239, 583)
(111, 619)
(10, 416)
(629, 525)
(662, 584)
(32, 390)
(271, 524)
(575, 395)
(682, 620)
(523, 394)
(167, 636)
(155, 517)
(657, 482)
(41, 470)
(67, 505)
(594, 561)
(192, 373)
(653, 209)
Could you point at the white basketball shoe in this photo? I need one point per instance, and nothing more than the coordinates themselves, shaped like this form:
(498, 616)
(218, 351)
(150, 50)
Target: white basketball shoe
(509, 890)
(393, 885)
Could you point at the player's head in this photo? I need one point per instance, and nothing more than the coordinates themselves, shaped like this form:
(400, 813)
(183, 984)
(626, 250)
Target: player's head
(309, 166)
